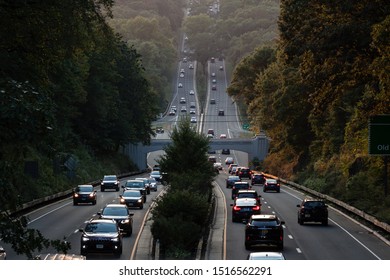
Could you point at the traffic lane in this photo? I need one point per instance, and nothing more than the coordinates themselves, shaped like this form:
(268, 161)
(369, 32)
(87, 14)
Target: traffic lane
(62, 220)
(336, 241)
(235, 232)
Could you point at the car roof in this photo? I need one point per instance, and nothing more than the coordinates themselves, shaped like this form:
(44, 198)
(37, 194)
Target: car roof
(247, 191)
(135, 180)
(246, 201)
(113, 205)
(266, 256)
(241, 183)
(271, 180)
(233, 177)
(264, 217)
(105, 221)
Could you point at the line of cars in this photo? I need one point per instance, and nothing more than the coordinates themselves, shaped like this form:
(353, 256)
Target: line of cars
(104, 233)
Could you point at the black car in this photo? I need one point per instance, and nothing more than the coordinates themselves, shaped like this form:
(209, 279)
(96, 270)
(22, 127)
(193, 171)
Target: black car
(225, 151)
(231, 180)
(244, 208)
(156, 174)
(109, 182)
(245, 173)
(271, 185)
(84, 194)
(239, 186)
(264, 230)
(258, 179)
(312, 210)
(119, 213)
(147, 184)
(221, 112)
(101, 236)
(136, 185)
(132, 198)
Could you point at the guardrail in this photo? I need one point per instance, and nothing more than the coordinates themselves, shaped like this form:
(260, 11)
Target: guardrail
(339, 203)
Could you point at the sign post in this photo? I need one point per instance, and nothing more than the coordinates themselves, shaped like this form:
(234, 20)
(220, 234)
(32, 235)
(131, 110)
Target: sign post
(379, 140)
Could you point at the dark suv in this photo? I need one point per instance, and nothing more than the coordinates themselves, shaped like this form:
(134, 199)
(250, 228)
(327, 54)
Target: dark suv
(258, 179)
(239, 186)
(109, 182)
(84, 194)
(264, 230)
(248, 194)
(120, 214)
(271, 185)
(245, 173)
(312, 210)
(101, 236)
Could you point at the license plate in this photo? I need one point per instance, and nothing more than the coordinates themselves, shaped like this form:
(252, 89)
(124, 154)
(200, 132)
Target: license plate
(263, 232)
(131, 203)
(99, 246)
(307, 215)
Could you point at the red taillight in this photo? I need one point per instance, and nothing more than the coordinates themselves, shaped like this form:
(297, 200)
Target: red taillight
(256, 208)
(236, 208)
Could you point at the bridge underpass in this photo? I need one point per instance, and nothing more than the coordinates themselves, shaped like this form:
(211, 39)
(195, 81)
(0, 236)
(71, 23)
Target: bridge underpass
(256, 147)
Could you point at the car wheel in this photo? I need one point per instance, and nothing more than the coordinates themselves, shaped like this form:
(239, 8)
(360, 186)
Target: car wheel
(75, 203)
(117, 189)
(141, 207)
(325, 222)
(94, 202)
(280, 246)
(83, 252)
(300, 221)
(264, 190)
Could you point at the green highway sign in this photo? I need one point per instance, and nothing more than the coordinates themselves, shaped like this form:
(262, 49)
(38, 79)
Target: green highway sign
(379, 135)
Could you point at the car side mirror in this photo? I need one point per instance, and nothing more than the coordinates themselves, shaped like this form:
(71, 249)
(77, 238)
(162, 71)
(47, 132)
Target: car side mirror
(131, 214)
(99, 213)
(120, 196)
(298, 205)
(81, 230)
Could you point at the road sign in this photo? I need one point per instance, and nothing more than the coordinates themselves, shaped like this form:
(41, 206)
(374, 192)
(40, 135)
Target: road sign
(379, 135)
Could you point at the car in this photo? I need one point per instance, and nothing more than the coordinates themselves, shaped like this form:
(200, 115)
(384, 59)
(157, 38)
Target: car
(239, 186)
(172, 113)
(221, 68)
(156, 167)
(213, 87)
(214, 81)
(222, 136)
(211, 151)
(185, 59)
(249, 194)
(229, 160)
(210, 136)
(132, 198)
(237, 170)
(147, 183)
(192, 112)
(101, 236)
(180, 85)
(181, 75)
(212, 159)
(159, 129)
(136, 185)
(244, 208)
(192, 105)
(212, 101)
(109, 182)
(233, 170)
(174, 108)
(266, 256)
(84, 194)
(120, 214)
(191, 66)
(183, 109)
(231, 167)
(271, 185)
(245, 173)
(156, 174)
(312, 210)
(264, 229)
(218, 165)
(210, 131)
(192, 92)
(212, 60)
(221, 112)
(231, 180)
(153, 184)
(225, 151)
(182, 100)
(258, 179)
(3, 254)
(193, 120)
(213, 74)
(182, 70)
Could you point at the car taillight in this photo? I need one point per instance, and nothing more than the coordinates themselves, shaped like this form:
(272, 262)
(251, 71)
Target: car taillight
(236, 208)
(256, 208)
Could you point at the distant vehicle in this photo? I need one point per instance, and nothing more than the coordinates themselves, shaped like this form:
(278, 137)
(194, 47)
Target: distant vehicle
(221, 67)
(210, 131)
(3, 254)
(218, 165)
(132, 198)
(231, 167)
(212, 101)
(159, 129)
(212, 159)
(245, 173)
(172, 113)
(182, 100)
(180, 85)
(210, 136)
(181, 75)
(156, 174)
(84, 194)
(213, 74)
(120, 214)
(231, 180)
(221, 112)
(258, 179)
(192, 112)
(192, 105)
(153, 184)
(147, 183)
(312, 210)
(185, 59)
(182, 70)
(266, 256)
(183, 109)
(101, 236)
(249, 194)
(214, 81)
(229, 160)
(244, 208)
(193, 120)
(222, 136)
(264, 230)
(225, 151)
(239, 186)
(191, 66)
(212, 60)
(213, 87)
(192, 92)
(271, 185)
(109, 182)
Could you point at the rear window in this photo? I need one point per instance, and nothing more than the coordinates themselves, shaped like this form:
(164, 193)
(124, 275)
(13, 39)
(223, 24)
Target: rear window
(313, 204)
(264, 223)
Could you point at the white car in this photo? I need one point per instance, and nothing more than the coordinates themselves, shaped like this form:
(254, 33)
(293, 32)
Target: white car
(3, 254)
(192, 92)
(266, 256)
(229, 160)
(222, 136)
(193, 119)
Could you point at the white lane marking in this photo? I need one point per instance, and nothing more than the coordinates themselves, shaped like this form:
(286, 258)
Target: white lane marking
(299, 250)
(290, 236)
(40, 217)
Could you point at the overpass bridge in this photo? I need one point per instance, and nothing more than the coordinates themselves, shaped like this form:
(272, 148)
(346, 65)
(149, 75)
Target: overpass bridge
(255, 147)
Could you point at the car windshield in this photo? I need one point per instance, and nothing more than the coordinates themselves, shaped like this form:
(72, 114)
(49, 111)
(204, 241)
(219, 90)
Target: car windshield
(232, 178)
(155, 173)
(109, 178)
(134, 184)
(313, 204)
(84, 189)
(264, 223)
(115, 211)
(152, 180)
(131, 194)
(243, 195)
(100, 227)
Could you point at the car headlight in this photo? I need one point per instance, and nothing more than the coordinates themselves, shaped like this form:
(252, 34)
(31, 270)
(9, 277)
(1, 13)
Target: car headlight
(76, 195)
(115, 239)
(85, 238)
(125, 221)
(123, 200)
(139, 200)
